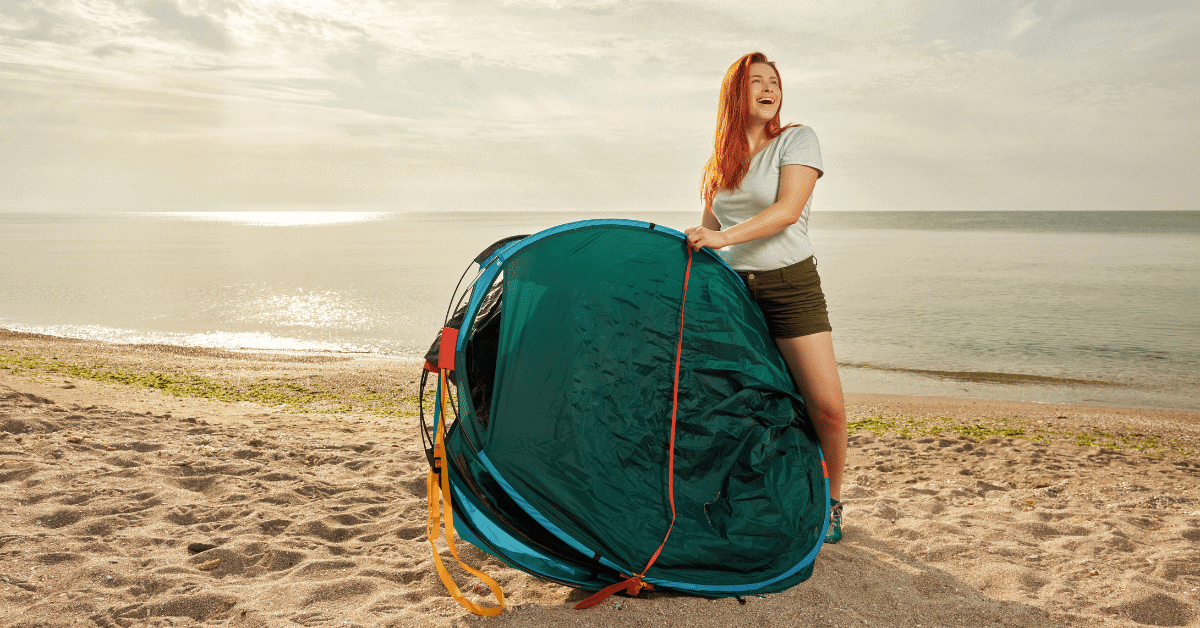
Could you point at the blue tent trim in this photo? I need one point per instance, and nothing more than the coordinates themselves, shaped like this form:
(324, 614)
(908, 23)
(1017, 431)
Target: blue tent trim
(546, 523)
(682, 586)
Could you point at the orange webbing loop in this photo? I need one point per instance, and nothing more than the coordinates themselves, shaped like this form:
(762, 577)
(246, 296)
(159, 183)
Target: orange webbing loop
(432, 488)
(633, 585)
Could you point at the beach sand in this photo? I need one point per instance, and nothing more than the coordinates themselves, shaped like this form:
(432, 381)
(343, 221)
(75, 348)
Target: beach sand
(308, 480)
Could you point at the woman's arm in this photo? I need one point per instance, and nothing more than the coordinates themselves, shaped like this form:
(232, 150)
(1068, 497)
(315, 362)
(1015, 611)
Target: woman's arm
(708, 219)
(796, 184)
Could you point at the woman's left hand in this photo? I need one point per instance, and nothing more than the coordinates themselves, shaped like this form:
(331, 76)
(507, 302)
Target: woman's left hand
(699, 237)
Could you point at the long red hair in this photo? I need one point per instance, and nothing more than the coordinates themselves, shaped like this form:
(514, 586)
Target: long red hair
(731, 151)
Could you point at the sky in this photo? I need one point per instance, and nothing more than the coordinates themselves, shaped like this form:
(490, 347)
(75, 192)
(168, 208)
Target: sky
(597, 106)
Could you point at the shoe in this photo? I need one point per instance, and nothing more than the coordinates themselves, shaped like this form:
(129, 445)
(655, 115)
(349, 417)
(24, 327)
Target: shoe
(834, 534)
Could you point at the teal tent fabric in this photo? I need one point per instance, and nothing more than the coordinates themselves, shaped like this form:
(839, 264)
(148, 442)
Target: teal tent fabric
(559, 452)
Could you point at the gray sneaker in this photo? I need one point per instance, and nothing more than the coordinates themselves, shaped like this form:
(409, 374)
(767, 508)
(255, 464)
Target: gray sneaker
(834, 534)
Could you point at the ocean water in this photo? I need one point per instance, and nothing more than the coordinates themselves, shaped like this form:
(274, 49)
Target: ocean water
(1057, 307)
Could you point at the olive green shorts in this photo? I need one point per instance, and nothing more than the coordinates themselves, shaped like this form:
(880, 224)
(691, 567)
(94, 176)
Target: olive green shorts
(790, 299)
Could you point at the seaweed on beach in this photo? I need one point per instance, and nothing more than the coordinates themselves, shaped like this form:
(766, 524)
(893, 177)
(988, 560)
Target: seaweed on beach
(311, 394)
(982, 428)
(938, 426)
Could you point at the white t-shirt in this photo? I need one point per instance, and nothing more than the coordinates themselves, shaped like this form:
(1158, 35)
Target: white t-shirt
(795, 146)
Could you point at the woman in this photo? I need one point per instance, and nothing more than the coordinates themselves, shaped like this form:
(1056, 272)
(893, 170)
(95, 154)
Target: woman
(757, 192)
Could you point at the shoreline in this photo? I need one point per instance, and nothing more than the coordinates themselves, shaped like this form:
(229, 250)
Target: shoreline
(76, 346)
(959, 512)
(323, 383)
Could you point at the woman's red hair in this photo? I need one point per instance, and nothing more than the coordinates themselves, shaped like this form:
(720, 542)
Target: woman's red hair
(731, 151)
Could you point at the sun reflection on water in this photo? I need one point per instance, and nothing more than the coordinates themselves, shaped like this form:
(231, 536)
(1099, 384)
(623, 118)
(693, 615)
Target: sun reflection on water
(312, 309)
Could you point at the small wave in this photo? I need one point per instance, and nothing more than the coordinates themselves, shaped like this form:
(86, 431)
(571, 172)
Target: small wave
(252, 341)
(986, 377)
(277, 218)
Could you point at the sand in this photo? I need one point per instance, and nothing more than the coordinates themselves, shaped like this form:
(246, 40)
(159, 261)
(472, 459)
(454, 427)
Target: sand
(959, 512)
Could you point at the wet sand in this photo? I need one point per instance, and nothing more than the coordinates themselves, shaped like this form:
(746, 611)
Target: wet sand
(308, 480)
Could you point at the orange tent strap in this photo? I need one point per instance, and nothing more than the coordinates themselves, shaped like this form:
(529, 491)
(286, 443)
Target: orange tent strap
(632, 585)
(437, 487)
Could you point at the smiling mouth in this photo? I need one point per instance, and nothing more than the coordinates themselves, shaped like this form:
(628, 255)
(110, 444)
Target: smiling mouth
(766, 101)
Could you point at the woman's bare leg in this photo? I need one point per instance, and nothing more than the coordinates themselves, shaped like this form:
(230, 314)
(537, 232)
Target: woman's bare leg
(812, 364)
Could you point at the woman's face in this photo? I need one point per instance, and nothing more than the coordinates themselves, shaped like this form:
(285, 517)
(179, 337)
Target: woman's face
(765, 93)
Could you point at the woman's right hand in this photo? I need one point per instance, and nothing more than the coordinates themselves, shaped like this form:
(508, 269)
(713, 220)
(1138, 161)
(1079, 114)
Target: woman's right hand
(700, 237)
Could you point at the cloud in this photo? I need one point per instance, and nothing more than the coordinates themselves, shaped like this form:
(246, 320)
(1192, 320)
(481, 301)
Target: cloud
(108, 50)
(27, 21)
(1025, 19)
(195, 28)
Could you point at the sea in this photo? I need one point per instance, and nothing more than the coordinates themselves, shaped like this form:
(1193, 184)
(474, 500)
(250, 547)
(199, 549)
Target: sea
(1053, 307)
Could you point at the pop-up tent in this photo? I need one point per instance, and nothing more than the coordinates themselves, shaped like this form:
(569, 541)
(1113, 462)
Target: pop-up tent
(612, 413)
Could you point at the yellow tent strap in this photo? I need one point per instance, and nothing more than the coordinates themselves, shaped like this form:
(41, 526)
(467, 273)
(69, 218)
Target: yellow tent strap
(433, 489)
